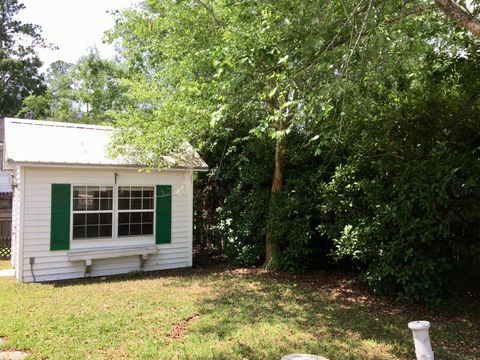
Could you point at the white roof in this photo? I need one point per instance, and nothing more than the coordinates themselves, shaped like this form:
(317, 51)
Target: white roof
(60, 143)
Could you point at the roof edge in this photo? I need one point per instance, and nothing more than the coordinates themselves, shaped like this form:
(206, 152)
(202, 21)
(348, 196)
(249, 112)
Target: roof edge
(13, 163)
(58, 124)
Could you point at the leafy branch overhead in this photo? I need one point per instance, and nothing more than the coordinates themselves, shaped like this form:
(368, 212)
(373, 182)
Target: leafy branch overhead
(19, 62)
(461, 15)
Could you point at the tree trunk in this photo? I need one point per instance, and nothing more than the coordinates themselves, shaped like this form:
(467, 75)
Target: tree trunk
(271, 247)
(459, 15)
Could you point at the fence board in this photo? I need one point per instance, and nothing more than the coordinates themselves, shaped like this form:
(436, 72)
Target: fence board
(5, 225)
(5, 239)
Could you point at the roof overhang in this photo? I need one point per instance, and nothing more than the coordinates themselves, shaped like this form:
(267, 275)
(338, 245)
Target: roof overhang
(12, 164)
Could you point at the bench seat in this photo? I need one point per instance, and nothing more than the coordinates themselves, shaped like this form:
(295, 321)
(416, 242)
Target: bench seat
(90, 254)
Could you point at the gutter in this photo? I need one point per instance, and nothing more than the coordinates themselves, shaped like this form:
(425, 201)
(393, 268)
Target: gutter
(12, 163)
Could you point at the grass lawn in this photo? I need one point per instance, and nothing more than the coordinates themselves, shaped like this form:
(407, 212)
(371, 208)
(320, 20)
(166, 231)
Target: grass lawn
(5, 264)
(220, 313)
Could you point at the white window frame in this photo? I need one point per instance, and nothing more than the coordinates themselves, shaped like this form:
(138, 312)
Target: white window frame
(152, 210)
(73, 212)
(115, 213)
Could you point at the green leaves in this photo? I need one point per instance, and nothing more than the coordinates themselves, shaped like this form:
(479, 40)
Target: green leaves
(19, 63)
(375, 110)
(89, 91)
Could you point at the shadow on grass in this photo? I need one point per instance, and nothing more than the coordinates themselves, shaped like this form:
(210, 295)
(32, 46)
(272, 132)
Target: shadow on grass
(280, 317)
(180, 273)
(254, 314)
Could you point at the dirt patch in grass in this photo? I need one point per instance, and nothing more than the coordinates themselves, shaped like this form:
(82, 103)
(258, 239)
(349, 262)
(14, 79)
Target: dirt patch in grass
(13, 354)
(180, 329)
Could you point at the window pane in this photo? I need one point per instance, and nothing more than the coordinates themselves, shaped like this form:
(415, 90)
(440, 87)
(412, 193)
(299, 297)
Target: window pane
(147, 217)
(93, 219)
(106, 204)
(123, 218)
(147, 229)
(106, 230)
(148, 192)
(77, 190)
(135, 217)
(106, 192)
(106, 219)
(148, 203)
(123, 230)
(79, 204)
(136, 191)
(79, 219)
(124, 204)
(135, 229)
(93, 192)
(137, 204)
(92, 231)
(124, 191)
(79, 232)
(93, 204)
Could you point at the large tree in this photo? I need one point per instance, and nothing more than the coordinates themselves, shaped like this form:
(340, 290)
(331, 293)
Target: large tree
(331, 127)
(19, 63)
(275, 66)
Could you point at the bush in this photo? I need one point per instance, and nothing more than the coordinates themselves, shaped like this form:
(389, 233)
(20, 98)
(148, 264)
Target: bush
(396, 196)
(405, 194)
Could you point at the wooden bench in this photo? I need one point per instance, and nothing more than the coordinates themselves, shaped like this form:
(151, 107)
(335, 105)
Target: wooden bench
(88, 255)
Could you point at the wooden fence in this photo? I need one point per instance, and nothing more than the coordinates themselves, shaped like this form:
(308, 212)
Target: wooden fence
(5, 225)
(5, 238)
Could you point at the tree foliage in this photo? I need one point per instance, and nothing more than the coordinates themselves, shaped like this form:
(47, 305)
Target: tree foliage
(367, 110)
(19, 63)
(88, 91)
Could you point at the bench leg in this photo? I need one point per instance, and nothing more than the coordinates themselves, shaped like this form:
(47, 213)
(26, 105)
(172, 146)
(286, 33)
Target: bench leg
(88, 266)
(143, 258)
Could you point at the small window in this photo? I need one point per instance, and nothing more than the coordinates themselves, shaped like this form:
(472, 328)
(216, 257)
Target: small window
(92, 212)
(135, 210)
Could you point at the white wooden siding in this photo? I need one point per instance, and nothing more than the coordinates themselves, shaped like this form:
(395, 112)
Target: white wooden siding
(54, 265)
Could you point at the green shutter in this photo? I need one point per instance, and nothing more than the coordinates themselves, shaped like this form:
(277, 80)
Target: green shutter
(60, 217)
(163, 215)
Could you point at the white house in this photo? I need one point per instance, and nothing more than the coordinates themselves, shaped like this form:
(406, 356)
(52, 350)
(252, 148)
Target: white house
(78, 212)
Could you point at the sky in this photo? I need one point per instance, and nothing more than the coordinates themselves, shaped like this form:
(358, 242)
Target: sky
(72, 25)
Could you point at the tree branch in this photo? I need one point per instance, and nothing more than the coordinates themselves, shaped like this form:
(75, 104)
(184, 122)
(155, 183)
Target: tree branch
(460, 16)
(211, 12)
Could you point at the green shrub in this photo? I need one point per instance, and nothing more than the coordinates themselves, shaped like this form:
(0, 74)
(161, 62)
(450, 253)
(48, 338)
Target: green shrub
(401, 200)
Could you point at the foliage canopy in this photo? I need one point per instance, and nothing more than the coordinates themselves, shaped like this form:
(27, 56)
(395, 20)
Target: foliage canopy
(19, 63)
(359, 107)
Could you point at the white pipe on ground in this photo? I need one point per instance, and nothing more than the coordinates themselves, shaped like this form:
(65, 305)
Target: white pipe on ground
(421, 339)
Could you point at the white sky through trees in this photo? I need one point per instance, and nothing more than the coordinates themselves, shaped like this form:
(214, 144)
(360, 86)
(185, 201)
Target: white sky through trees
(72, 25)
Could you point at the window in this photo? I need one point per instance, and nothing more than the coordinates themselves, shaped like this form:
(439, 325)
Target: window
(92, 212)
(135, 210)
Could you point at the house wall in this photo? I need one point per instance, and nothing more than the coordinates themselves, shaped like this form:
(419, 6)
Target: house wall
(54, 265)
